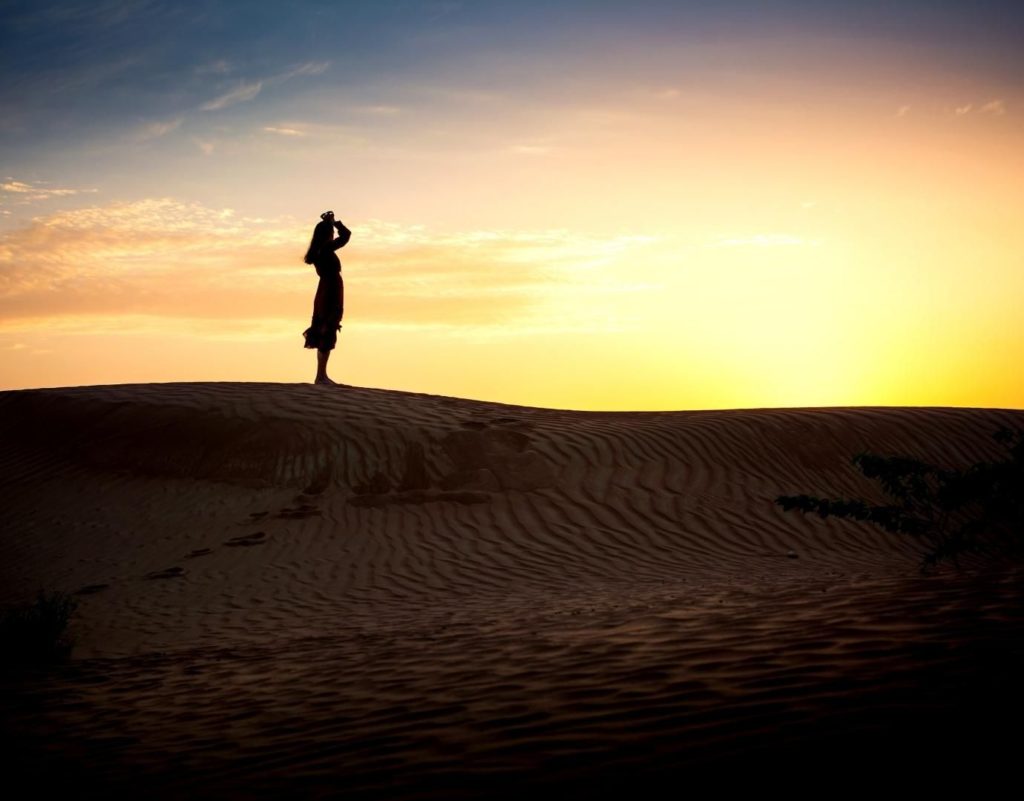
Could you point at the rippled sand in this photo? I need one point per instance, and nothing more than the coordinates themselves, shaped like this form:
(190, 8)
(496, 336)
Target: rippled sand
(343, 592)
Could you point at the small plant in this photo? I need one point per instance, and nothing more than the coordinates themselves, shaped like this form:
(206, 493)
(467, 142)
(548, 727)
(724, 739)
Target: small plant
(979, 509)
(37, 632)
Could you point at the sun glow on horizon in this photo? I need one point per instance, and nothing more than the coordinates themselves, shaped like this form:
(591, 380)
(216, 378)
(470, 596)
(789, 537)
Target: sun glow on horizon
(627, 220)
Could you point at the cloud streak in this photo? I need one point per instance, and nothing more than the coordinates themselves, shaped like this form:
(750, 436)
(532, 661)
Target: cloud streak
(283, 131)
(23, 192)
(244, 92)
(995, 107)
(240, 94)
(155, 130)
(163, 258)
(309, 68)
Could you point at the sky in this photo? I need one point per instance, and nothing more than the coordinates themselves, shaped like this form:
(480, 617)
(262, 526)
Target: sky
(586, 205)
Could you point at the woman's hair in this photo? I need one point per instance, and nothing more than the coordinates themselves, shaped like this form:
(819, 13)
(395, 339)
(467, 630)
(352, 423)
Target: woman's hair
(322, 235)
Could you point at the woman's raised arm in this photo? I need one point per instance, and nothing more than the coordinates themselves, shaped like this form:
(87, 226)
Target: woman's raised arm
(343, 235)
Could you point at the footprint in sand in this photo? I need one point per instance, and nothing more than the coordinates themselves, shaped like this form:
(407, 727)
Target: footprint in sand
(256, 538)
(167, 573)
(198, 552)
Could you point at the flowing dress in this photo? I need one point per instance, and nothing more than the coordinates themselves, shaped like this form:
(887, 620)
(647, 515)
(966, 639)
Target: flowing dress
(329, 303)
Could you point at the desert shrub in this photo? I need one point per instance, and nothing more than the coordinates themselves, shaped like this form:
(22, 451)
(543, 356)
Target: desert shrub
(978, 509)
(37, 632)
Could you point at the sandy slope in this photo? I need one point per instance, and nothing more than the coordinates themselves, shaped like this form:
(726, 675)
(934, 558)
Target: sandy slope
(326, 589)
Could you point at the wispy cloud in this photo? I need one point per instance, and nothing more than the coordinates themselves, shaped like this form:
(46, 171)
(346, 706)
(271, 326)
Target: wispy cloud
(336, 133)
(240, 94)
(246, 91)
(378, 110)
(283, 131)
(157, 129)
(205, 145)
(997, 107)
(309, 68)
(174, 260)
(27, 192)
(17, 187)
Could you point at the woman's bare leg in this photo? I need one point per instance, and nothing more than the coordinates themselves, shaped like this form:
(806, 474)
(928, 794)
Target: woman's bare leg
(321, 367)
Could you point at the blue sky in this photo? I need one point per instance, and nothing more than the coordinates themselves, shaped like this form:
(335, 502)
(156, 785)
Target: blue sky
(81, 69)
(98, 93)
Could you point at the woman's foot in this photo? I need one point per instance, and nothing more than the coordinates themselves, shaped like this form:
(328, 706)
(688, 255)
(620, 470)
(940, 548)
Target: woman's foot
(322, 379)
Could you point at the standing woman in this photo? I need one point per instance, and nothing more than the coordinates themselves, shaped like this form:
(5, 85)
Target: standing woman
(329, 304)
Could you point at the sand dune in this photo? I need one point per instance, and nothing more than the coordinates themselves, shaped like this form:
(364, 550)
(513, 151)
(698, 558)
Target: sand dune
(290, 588)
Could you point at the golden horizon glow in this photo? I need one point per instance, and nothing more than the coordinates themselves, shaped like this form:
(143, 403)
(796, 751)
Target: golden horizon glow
(793, 239)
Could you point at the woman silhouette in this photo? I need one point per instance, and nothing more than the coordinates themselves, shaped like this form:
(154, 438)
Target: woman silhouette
(329, 303)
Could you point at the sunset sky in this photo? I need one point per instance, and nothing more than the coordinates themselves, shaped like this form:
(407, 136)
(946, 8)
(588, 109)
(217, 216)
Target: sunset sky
(591, 205)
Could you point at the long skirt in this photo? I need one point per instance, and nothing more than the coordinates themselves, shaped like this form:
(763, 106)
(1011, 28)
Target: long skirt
(328, 307)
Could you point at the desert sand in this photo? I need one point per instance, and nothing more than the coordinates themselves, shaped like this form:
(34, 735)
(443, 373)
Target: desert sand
(303, 591)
